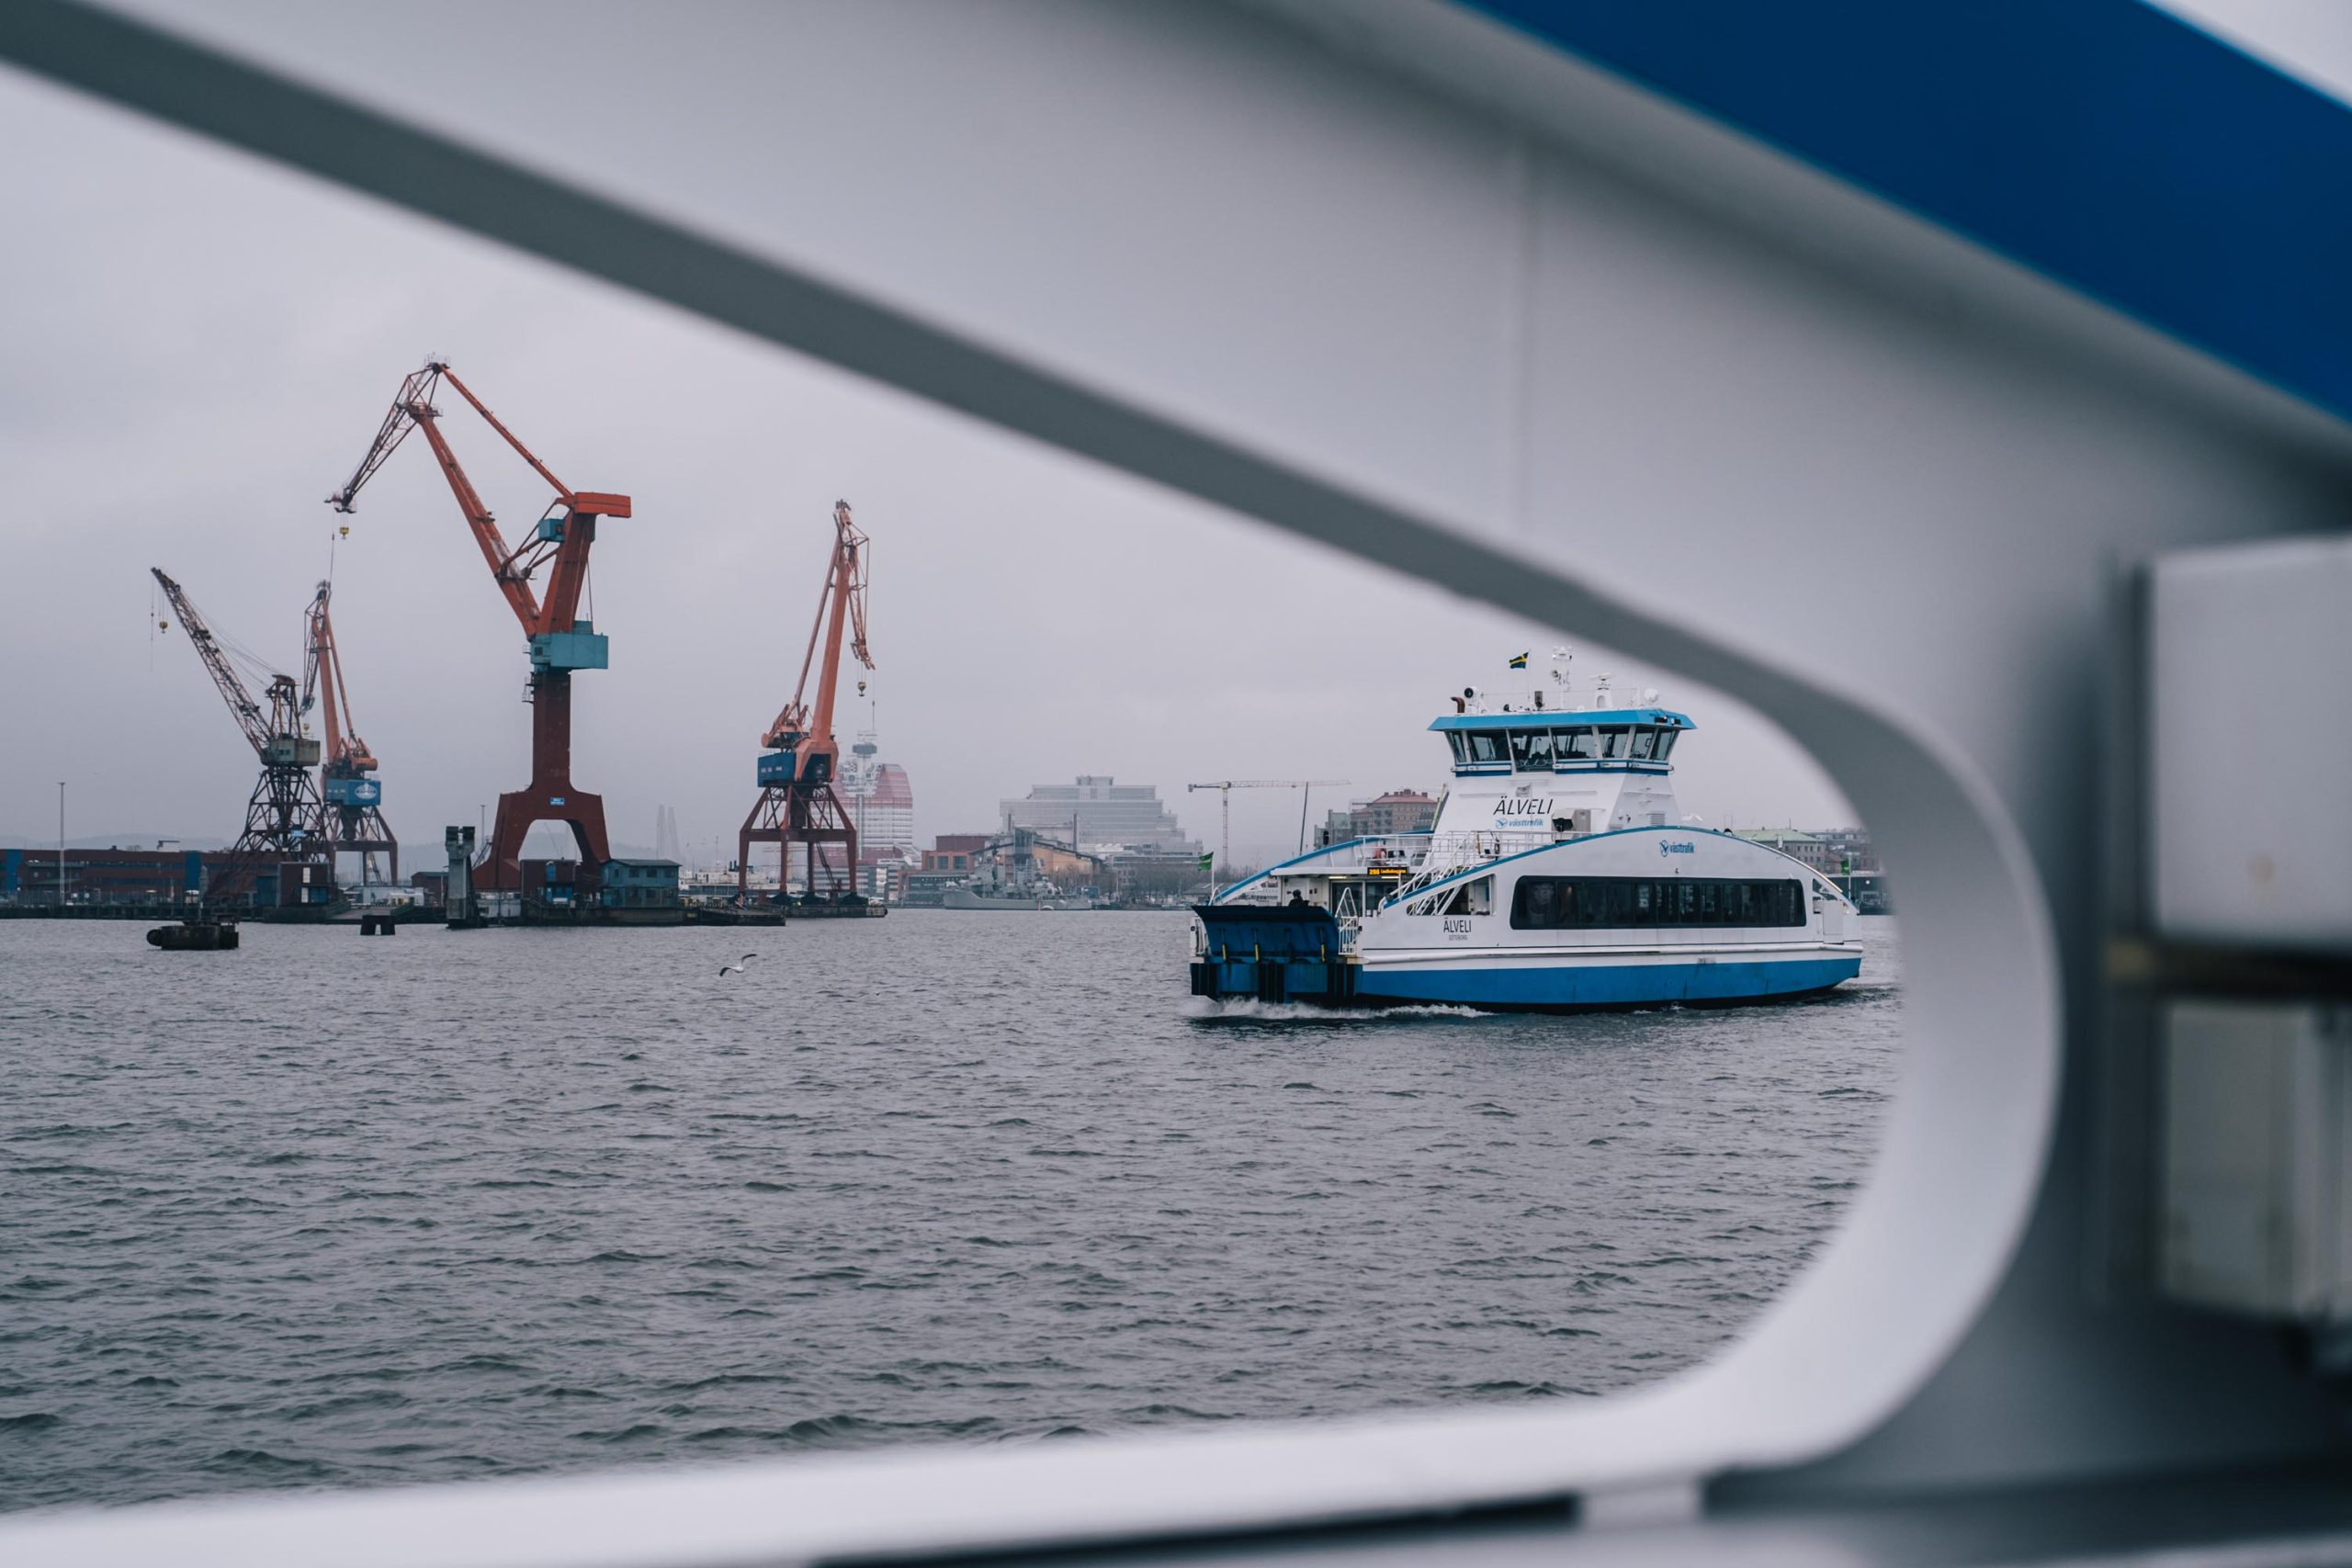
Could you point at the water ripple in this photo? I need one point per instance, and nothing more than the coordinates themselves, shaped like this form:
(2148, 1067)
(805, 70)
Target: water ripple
(517, 1201)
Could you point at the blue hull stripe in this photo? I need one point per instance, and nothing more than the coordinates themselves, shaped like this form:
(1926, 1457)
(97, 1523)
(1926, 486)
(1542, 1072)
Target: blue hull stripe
(1630, 985)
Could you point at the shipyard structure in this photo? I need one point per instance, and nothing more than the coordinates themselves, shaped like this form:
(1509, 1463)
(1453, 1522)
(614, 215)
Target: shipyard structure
(843, 823)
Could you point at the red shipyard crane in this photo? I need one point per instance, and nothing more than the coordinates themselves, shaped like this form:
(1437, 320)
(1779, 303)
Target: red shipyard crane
(559, 642)
(352, 818)
(796, 804)
(281, 818)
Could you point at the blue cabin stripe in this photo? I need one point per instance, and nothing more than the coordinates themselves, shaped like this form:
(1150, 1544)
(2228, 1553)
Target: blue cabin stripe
(2105, 143)
(1564, 718)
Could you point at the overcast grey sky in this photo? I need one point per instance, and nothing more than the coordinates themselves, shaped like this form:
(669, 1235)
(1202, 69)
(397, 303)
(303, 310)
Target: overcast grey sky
(199, 346)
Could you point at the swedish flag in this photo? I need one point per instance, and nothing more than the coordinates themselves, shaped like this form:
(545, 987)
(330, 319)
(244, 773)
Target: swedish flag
(1518, 661)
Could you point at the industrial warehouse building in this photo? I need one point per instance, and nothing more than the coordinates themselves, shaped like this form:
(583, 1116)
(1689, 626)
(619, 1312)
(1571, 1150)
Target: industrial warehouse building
(560, 887)
(101, 876)
(122, 878)
(639, 885)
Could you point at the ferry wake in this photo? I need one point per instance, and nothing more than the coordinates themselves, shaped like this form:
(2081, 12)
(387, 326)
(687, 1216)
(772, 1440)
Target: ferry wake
(1556, 878)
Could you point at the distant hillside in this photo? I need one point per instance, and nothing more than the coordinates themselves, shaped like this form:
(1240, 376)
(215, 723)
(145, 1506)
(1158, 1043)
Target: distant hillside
(139, 840)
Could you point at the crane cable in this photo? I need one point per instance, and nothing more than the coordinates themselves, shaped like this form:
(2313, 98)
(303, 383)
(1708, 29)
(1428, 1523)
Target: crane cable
(256, 669)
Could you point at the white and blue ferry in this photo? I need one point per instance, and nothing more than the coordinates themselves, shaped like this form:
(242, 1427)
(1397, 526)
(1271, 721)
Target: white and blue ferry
(1556, 876)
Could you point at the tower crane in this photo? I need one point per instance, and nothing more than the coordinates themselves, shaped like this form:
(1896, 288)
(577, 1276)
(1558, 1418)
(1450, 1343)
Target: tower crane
(1225, 788)
(797, 804)
(352, 818)
(282, 816)
(559, 642)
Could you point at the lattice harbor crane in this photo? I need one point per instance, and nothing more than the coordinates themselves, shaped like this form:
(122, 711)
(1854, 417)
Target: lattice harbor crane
(559, 642)
(797, 804)
(282, 816)
(351, 819)
(1225, 788)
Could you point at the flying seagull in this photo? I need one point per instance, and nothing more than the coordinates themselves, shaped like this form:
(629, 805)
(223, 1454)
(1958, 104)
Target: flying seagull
(737, 968)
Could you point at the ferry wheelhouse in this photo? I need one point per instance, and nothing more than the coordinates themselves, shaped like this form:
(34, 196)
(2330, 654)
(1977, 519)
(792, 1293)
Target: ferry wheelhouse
(1557, 876)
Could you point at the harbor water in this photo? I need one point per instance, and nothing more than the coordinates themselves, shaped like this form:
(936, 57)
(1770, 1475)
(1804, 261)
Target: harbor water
(341, 1210)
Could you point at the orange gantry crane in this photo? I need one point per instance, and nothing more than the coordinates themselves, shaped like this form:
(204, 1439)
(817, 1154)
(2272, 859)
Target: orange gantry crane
(559, 642)
(351, 818)
(797, 804)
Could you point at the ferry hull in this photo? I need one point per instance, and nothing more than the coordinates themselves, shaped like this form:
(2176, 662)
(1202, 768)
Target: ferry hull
(1293, 953)
(1272, 953)
(1586, 986)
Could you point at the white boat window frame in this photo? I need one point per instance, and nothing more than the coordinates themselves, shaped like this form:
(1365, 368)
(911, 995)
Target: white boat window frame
(1475, 897)
(1500, 740)
(1881, 1305)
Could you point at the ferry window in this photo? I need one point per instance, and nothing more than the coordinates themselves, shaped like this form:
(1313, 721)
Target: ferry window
(1487, 745)
(1472, 898)
(1641, 744)
(1550, 903)
(1460, 745)
(1541, 903)
(1666, 739)
(1531, 750)
(1612, 742)
(1579, 743)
